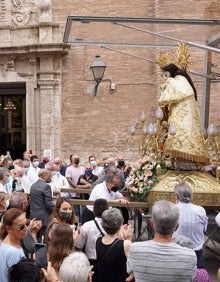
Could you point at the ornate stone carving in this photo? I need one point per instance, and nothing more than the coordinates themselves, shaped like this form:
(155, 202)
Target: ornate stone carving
(3, 11)
(24, 12)
(8, 66)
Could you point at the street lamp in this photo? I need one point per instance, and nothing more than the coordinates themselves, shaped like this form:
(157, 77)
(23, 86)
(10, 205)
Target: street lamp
(98, 69)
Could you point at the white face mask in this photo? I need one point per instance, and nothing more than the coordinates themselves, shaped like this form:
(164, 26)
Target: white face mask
(36, 163)
(19, 179)
(93, 163)
(7, 203)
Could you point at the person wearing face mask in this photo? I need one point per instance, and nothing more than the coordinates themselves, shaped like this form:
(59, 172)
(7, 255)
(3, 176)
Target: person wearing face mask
(58, 181)
(63, 213)
(45, 160)
(26, 181)
(86, 180)
(96, 170)
(125, 167)
(41, 204)
(108, 190)
(34, 169)
(73, 173)
(58, 162)
(16, 181)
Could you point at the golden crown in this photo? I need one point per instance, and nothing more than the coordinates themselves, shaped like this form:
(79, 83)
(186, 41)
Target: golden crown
(182, 58)
(163, 60)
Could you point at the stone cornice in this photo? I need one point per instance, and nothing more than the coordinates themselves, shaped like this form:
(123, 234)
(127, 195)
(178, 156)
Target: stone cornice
(10, 26)
(48, 48)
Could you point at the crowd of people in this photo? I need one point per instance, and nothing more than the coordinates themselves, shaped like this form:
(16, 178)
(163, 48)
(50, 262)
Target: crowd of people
(44, 235)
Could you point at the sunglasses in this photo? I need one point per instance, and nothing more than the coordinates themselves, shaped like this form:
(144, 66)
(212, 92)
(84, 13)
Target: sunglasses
(22, 227)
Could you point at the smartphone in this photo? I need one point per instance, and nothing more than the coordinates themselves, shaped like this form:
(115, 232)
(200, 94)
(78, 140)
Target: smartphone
(41, 254)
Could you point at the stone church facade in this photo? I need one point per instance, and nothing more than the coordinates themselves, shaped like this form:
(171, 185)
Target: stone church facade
(61, 112)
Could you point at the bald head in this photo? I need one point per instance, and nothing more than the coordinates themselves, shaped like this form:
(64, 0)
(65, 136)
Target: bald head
(44, 174)
(18, 172)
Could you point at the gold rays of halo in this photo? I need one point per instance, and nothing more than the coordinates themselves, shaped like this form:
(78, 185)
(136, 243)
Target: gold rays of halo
(182, 58)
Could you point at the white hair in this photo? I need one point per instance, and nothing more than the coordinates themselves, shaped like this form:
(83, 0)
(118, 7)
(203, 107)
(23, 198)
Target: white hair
(75, 268)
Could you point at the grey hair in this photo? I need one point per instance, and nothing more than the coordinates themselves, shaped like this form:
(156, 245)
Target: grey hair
(2, 172)
(112, 221)
(110, 178)
(165, 217)
(75, 268)
(110, 169)
(17, 199)
(50, 165)
(183, 241)
(184, 192)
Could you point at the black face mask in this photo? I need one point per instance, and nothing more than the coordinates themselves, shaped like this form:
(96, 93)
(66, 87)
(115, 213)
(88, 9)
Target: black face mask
(76, 161)
(121, 163)
(114, 188)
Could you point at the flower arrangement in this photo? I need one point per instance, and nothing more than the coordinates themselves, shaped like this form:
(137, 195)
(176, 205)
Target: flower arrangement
(142, 179)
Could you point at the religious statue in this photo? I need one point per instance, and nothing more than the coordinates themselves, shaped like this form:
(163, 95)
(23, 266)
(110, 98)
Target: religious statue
(187, 148)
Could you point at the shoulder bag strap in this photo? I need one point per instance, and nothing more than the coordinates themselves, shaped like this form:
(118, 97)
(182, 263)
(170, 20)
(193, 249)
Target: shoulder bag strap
(114, 243)
(96, 223)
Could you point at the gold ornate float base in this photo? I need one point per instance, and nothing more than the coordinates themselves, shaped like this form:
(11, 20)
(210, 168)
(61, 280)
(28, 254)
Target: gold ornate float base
(206, 188)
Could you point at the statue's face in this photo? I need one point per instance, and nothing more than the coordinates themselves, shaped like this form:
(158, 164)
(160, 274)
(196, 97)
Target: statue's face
(166, 74)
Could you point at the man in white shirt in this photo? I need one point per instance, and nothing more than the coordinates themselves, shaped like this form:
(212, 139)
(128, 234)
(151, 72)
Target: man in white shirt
(91, 230)
(26, 180)
(4, 177)
(16, 182)
(34, 169)
(108, 190)
(58, 181)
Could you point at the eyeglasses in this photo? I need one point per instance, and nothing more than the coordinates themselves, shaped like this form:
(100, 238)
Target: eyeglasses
(57, 163)
(22, 227)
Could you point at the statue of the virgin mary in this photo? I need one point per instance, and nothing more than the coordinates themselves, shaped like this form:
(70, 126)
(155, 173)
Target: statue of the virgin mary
(178, 95)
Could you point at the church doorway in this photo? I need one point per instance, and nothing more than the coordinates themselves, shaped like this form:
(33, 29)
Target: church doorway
(13, 119)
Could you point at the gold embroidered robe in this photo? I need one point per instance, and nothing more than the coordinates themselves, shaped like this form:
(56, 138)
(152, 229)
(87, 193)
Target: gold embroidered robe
(178, 95)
